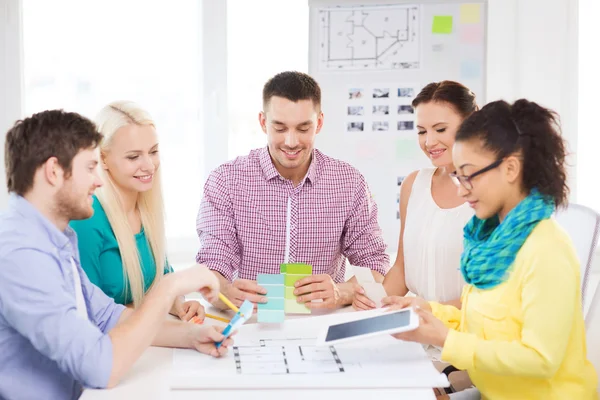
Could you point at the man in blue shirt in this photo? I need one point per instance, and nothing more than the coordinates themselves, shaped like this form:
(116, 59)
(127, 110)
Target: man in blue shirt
(58, 332)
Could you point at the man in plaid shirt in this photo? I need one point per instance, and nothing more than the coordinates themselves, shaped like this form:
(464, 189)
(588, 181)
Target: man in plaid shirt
(289, 203)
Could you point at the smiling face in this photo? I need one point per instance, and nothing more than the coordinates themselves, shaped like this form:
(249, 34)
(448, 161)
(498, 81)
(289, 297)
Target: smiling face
(73, 200)
(132, 157)
(291, 129)
(437, 123)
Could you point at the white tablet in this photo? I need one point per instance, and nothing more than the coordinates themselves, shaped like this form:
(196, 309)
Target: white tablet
(369, 323)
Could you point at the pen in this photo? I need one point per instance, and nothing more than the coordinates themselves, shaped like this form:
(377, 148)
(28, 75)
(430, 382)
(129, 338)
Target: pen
(229, 303)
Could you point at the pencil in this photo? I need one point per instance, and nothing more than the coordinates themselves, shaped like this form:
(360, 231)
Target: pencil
(228, 303)
(217, 318)
(197, 320)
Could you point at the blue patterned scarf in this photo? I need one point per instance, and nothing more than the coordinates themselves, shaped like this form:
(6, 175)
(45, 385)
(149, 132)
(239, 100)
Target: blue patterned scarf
(490, 247)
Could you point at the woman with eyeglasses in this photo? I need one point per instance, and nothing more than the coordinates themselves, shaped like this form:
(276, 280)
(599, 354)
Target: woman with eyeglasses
(432, 215)
(520, 333)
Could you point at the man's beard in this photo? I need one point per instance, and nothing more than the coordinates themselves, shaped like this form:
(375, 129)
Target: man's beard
(68, 206)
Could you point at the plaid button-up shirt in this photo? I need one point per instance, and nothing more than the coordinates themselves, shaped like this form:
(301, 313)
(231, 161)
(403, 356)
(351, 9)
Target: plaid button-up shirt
(251, 219)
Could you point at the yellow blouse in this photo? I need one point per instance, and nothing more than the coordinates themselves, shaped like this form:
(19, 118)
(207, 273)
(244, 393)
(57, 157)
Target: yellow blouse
(525, 338)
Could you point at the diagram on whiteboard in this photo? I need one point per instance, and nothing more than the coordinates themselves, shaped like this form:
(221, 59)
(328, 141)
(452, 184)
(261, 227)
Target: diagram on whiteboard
(369, 38)
(290, 356)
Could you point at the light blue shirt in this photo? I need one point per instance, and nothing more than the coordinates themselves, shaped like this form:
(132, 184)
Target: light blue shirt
(47, 350)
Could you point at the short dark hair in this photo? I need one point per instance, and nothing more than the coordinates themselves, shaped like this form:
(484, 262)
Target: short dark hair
(293, 86)
(32, 141)
(527, 128)
(457, 95)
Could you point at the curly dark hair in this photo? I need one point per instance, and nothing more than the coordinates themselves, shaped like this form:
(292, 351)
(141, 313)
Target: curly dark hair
(524, 127)
(32, 141)
(293, 86)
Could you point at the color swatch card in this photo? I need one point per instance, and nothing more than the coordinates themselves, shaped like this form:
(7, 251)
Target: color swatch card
(293, 273)
(273, 311)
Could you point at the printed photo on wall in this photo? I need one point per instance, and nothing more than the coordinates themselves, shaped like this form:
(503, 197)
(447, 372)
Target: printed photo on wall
(406, 125)
(381, 125)
(356, 110)
(379, 93)
(355, 94)
(381, 110)
(399, 180)
(356, 126)
(406, 92)
(404, 109)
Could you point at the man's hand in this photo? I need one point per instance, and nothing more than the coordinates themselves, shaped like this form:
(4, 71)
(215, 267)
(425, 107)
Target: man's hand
(203, 339)
(361, 301)
(430, 331)
(323, 287)
(188, 310)
(244, 289)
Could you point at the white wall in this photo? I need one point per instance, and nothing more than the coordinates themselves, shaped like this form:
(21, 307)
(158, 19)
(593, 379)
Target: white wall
(213, 14)
(10, 78)
(532, 53)
(589, 87)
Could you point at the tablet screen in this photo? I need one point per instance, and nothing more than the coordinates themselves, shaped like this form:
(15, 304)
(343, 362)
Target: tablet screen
(368, 325)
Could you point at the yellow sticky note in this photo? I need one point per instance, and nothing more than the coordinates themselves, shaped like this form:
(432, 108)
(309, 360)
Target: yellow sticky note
(470, 13)
(442, 24)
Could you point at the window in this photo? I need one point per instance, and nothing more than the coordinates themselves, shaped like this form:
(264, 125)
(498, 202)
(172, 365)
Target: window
(82, 55)
(588, 135)
(264, 37)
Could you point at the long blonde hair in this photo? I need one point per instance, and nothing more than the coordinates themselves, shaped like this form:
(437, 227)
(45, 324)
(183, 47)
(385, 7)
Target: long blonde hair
(150, 204)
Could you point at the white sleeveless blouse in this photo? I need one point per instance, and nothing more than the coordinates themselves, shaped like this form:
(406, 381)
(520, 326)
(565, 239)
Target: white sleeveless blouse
(433, 243)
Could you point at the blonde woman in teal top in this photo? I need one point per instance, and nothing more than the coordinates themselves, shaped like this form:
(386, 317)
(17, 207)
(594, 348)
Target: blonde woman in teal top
(122, 247)
(101, 259)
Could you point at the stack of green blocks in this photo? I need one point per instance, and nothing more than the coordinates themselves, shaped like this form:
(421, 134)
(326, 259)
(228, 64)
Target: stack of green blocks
(293, 273)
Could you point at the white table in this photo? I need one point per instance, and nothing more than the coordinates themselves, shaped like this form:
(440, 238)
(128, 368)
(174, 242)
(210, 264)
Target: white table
(149, 379)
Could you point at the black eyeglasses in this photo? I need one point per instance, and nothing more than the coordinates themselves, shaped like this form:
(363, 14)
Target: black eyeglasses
(465, 180)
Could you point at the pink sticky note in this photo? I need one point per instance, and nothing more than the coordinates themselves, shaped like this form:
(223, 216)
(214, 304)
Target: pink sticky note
(471, 34)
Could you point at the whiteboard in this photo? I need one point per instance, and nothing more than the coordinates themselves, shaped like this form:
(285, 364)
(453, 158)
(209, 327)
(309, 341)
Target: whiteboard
(371, 59)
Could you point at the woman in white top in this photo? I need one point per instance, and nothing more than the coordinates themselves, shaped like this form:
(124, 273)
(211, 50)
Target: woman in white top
(432, 215)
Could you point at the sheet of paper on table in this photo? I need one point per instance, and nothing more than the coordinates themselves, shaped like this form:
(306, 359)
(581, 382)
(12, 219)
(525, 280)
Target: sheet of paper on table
(270, 356)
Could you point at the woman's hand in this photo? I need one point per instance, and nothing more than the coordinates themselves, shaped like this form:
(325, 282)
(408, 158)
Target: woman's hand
(361, 301)
(399, 302)
(188, 309)
(430, 331)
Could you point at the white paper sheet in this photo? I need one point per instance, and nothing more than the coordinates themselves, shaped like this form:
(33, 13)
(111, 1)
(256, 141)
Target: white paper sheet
(360, 37)
(363, 275)
(285, 356)
(373, 290)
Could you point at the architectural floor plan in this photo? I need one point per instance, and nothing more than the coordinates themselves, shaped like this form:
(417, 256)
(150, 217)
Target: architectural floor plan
(290, 356)
(369, 38)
